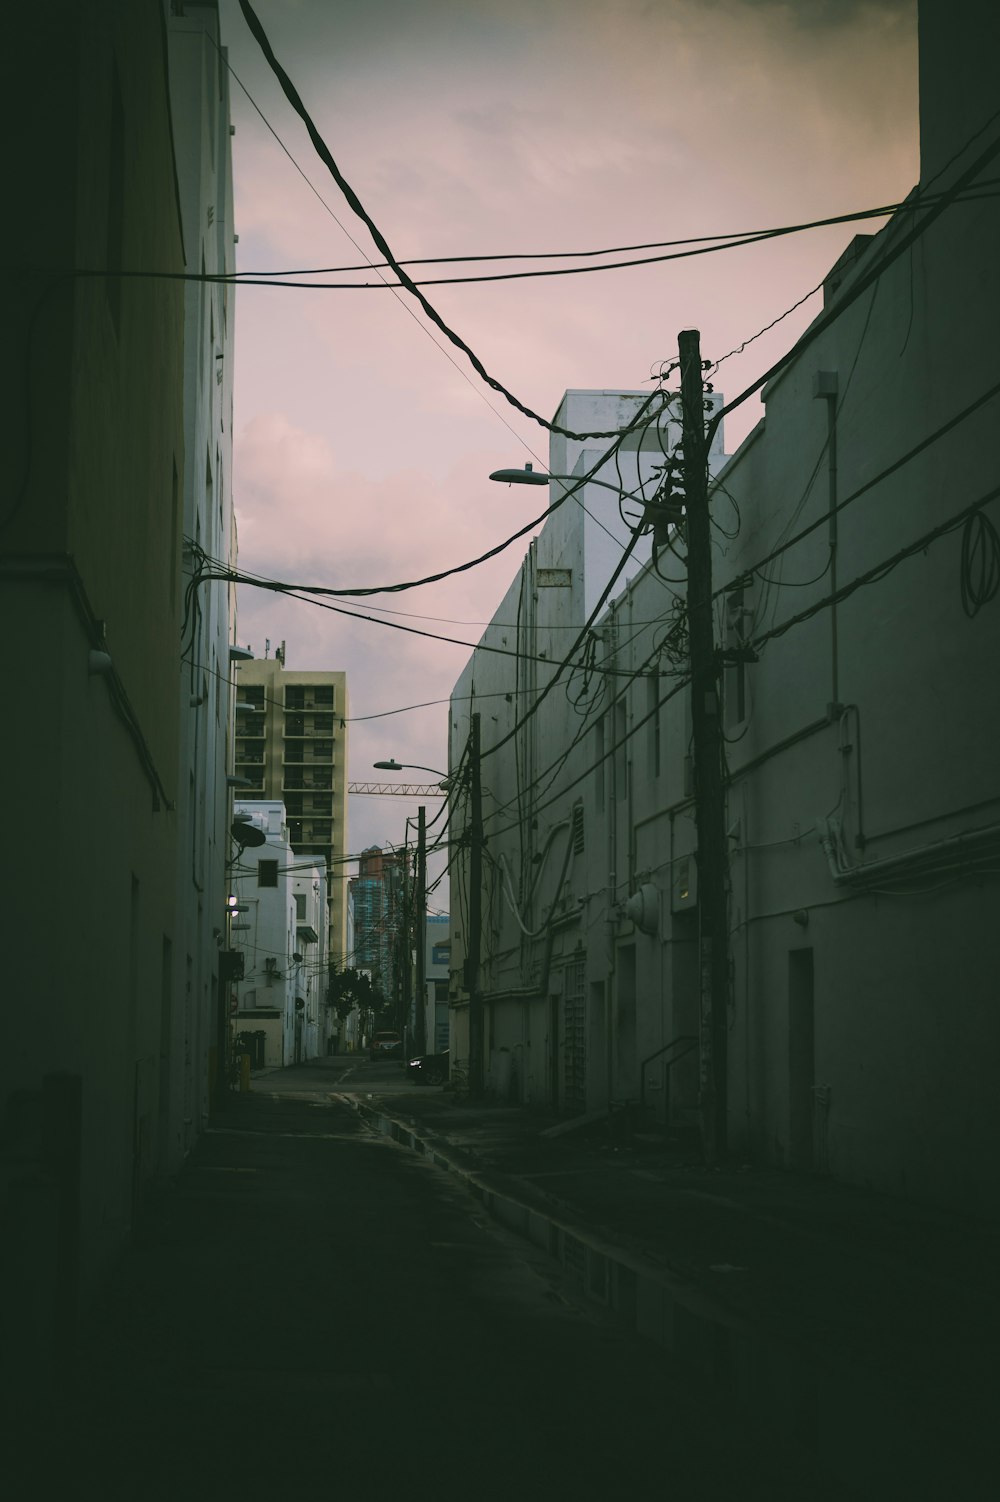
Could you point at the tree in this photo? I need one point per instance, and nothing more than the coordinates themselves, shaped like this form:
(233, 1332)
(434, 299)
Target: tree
(350, 988)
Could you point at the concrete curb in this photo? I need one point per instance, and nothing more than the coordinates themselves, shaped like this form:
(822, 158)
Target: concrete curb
(845, 1419)
(578, 1248)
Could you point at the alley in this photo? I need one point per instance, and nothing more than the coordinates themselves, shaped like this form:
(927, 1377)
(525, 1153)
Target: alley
(310, 1307)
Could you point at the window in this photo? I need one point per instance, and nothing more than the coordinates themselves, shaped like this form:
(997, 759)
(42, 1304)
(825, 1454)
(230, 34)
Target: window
(300, 907)
(267, 873)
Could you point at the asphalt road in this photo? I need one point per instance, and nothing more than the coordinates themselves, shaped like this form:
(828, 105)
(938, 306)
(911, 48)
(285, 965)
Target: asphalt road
(311, 1310)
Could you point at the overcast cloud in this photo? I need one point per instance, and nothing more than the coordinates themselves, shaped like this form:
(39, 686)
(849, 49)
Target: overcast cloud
(514, 125)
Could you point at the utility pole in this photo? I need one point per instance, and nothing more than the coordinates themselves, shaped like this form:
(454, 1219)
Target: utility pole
(403, 949)
(713, 856)
(472, 981)
(420, 984)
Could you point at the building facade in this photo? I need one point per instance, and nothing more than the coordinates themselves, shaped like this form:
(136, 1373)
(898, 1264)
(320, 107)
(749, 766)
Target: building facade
(94, 434)
(199, 102)
(860, 710)
(378, 907)
(437, 951)
(278, 925)
(291, 744)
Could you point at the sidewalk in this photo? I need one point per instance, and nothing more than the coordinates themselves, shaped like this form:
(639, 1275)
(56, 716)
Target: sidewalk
(865, 1325)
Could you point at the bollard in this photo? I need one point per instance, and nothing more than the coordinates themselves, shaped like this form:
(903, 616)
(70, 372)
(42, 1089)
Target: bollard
(244, 1072)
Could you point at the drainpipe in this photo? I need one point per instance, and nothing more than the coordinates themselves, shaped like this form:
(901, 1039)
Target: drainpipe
(825, 386)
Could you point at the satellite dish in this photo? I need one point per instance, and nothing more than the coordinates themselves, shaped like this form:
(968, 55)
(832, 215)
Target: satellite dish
(247, 836)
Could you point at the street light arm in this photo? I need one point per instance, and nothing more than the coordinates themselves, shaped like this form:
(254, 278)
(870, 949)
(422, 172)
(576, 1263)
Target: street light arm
(399, 766)
(529, 476)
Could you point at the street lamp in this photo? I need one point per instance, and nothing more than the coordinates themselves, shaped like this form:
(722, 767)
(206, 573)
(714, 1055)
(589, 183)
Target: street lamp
(412, 766)
(531, 476)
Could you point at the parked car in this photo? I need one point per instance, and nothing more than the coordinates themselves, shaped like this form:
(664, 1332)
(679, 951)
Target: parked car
(386, 1046)
(429, 1068)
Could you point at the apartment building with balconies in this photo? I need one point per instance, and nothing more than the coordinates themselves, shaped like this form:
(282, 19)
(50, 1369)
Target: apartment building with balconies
(291, 744)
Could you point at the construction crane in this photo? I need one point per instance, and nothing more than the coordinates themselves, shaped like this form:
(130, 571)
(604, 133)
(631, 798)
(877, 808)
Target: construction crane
(397, 789)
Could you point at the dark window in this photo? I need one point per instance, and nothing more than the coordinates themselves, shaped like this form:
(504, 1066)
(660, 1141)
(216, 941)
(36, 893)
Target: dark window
(267, 873)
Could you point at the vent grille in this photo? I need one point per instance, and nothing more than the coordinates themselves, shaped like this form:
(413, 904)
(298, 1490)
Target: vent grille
(577, 831)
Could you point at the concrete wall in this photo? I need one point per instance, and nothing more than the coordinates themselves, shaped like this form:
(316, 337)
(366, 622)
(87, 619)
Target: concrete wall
(265, 933)
(862, 796)
(90, 558)
(199, 93)
(310, 975)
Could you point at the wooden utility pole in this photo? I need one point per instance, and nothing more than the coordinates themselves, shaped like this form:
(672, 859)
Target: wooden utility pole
(404, 950)
(473, 983)
(420, 920)
(713, 857)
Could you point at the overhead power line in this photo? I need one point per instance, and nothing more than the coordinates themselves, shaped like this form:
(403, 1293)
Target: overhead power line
(326, 592)
(325, 155)
(736, 237)
(889, 254)
(702, 245)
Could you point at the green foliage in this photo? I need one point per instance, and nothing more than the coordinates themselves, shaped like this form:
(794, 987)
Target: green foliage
(352, 988)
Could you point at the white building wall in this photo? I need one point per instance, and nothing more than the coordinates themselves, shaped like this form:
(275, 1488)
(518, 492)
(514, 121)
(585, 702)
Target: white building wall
(549, 983)
(862, 799)
(436, 970)
(199, 96)
(310, 975)
(266, 934)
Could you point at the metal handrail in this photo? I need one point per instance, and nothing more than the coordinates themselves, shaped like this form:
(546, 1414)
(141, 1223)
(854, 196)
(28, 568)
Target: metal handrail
(688, 1038)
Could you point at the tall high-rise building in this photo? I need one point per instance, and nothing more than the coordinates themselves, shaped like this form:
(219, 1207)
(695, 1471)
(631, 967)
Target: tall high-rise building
(377, 894)
(291, 744)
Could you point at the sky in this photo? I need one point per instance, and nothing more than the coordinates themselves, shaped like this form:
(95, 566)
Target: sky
(362, 441)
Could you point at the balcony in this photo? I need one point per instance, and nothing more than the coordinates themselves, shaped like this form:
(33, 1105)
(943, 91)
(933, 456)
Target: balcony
(297, 781)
